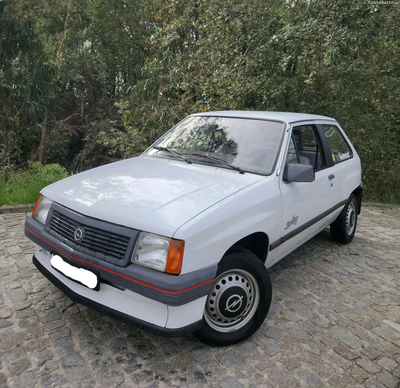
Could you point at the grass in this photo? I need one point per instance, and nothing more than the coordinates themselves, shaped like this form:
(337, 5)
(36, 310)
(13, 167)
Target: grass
(390, 199)
(24, 186)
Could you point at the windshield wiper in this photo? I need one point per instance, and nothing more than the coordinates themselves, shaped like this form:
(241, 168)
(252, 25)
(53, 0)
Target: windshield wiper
(219, 161)
(173, 152)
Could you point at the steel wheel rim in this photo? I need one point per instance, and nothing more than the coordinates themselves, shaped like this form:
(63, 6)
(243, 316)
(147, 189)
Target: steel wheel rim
(232, 302)
(350, 219)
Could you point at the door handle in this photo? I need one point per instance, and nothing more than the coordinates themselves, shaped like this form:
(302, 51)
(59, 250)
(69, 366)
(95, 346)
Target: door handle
(332, 176)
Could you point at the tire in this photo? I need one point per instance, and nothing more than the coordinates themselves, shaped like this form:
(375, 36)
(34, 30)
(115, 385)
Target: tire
(344, 228)
(238, 302)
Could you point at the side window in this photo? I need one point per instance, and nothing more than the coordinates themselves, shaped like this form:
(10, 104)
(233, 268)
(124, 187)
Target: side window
(309, 146)
(292, 154)
(340, 149)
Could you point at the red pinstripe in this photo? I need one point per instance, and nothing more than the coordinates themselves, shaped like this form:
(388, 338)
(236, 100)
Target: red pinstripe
(119, 274)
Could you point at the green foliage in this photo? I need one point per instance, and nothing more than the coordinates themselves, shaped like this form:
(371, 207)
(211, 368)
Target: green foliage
(24, 186)
(26, 86)
(340, 60)
(131, 70)
(105, 142)
(58, 139)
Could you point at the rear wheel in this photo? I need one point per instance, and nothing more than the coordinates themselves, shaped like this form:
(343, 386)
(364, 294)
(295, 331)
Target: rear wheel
(238, 302)
(344, 228)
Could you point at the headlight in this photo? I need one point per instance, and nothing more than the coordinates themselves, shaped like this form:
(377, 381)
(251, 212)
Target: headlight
(158, 252)
(41, 209)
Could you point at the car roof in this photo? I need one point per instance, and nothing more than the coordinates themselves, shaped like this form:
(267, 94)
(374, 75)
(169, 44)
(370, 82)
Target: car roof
(285, 117)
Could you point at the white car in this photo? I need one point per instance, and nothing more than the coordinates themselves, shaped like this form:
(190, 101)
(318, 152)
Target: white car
(179, 239)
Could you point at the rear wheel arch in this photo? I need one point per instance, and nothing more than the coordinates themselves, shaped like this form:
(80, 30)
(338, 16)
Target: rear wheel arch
(344, 227)
(358, 194)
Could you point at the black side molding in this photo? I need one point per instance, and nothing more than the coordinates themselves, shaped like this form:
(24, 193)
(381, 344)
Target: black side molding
(303, 227)
(151, 328)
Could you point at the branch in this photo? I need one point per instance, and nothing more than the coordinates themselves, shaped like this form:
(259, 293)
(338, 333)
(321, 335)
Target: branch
(131, 35)
(75, 114)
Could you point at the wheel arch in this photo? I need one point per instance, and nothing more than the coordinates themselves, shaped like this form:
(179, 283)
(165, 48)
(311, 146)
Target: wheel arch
(358, 194)
(257, 243)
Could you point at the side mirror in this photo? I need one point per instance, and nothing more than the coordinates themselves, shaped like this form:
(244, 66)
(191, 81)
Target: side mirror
(295, 172)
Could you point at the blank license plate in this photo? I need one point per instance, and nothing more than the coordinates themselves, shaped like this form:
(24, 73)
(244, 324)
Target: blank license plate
(80, 275)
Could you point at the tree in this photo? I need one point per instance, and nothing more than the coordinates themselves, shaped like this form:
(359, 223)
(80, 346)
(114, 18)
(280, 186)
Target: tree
(130, 70)
(26, 86)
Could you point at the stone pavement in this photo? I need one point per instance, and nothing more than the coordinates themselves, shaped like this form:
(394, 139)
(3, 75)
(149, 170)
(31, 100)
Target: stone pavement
(334, 322)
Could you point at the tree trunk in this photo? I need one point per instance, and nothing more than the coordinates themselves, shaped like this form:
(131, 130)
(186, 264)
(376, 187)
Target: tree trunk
(82, 103)
(8, 153)
(68, 18)
(41, 148)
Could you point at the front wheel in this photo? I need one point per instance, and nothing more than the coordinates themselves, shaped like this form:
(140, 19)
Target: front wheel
(238, 302)
(344, 228)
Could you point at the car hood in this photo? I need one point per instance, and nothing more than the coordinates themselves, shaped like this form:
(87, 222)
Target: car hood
(148, 193)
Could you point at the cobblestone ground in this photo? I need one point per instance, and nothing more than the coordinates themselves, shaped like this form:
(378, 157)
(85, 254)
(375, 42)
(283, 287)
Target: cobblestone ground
(334, 321)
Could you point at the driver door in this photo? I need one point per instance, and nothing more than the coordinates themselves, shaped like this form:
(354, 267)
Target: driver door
(304, 204)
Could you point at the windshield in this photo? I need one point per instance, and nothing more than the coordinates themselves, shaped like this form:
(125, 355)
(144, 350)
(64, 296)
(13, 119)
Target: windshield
(252, 145)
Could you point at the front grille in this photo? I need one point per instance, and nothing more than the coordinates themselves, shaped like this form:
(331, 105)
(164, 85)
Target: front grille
(98, 242)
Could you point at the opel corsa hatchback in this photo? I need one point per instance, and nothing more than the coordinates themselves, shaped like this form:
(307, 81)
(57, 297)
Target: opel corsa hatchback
(179, 239)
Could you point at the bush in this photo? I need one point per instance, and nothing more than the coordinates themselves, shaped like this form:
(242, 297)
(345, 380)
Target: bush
(24, 186)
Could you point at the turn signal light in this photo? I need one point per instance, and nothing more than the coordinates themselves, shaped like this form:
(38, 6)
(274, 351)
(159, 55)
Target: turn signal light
(175, 256)
(36, 204)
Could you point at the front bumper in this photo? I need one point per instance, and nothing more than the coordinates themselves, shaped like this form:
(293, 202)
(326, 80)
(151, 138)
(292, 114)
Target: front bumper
(169, 289)
(163, 304)
(125, 305)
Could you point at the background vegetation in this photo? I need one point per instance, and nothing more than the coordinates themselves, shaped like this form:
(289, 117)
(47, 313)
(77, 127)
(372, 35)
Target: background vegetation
(90, 82)
(23, 186)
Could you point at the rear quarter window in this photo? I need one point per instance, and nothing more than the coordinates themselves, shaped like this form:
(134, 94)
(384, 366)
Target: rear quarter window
(340, 149)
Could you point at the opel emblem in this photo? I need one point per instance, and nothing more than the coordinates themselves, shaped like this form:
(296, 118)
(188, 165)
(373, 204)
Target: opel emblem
(234, 303)
(78, 234)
